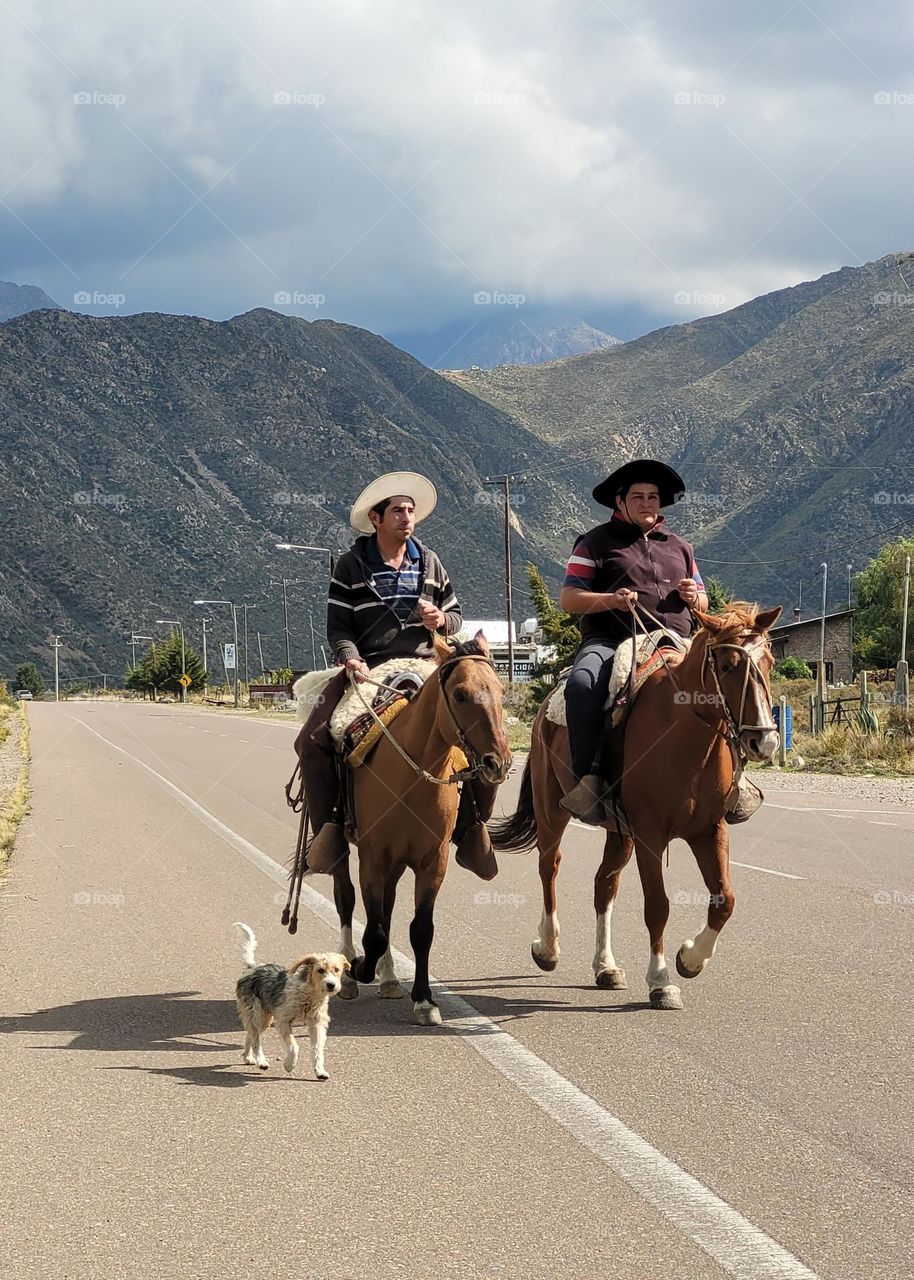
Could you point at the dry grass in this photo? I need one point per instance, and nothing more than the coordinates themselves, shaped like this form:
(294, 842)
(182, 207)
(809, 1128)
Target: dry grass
(15, 805)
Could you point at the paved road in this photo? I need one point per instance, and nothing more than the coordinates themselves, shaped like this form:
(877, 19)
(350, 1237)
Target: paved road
(548, 1129)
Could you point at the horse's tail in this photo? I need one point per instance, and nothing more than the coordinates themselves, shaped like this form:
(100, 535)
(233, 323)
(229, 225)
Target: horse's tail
(517, 834)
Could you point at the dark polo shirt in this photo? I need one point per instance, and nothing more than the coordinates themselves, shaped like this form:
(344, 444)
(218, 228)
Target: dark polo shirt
(617, 554)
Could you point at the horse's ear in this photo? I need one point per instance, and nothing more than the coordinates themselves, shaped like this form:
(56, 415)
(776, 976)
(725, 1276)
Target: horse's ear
(442, 649)
(764, 621)
(481, 642)
(710, 621)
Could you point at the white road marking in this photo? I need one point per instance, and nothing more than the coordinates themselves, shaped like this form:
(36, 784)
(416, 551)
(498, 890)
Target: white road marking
(750, 866)
(740, 1247)
(810, 808)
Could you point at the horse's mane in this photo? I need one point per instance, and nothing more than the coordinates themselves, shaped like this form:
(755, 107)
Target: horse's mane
(739, 616)
(467, 648)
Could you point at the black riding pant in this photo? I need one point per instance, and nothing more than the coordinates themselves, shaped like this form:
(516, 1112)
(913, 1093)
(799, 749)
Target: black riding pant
(585, 694)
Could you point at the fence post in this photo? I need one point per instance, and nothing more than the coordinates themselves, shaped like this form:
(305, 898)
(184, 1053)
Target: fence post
(864, 693)
(782, 749)
(812, 714)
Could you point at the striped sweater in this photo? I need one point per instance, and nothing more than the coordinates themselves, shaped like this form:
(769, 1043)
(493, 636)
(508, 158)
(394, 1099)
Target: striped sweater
(361, 624)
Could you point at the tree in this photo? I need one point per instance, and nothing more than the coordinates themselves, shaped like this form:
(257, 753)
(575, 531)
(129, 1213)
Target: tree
(793, 669)
(159, 669)
(719, 597)
(879, 592)
(560, 630)
(29, 677)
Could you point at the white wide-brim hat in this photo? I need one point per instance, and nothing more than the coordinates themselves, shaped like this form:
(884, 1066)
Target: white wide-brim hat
(408, 483)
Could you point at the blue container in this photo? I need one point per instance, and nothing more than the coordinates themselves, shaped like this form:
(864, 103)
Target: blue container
(787, 731)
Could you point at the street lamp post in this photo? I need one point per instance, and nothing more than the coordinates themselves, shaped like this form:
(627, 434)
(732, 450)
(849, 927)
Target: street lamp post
(234, 609)
(176, 622)
(205, 668)
(56, 646)
(331, 564)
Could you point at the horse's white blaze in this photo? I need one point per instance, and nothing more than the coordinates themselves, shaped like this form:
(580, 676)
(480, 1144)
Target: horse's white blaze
(546, 944)
(386, 971)
(696, 952)
(767, 744)
(603, 957)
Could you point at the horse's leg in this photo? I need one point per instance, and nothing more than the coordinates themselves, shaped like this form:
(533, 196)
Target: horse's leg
(344, 897)
(712, 852)
(390, 987)
(664, 994)
(616, 853)
(374, 940)
(551, 821)
(421, 932)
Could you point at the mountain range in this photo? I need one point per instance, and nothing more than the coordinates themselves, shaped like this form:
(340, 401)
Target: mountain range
(149, 460)
(501, 333)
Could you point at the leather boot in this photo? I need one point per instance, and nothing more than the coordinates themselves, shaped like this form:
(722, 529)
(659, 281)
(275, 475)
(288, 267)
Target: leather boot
(475, 852)
(471, 835)
(747, 801)
(328, 849)
(585, 800)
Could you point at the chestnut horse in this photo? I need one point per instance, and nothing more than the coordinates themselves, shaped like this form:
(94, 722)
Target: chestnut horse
(691, 728)
(405, 811)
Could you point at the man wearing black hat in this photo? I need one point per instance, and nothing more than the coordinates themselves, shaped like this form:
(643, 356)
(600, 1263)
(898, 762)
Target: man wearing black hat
(630, 557)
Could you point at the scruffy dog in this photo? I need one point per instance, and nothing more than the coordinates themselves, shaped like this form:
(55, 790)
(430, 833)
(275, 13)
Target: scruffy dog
(269, 993)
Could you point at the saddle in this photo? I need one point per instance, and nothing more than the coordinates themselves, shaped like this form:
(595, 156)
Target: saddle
(635, 660)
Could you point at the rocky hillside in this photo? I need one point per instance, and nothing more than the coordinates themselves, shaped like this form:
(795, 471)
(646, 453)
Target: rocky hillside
(147, 460)
(791, 418)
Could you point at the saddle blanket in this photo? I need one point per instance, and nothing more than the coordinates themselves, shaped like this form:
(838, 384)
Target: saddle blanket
(309, 689)
(649, 660)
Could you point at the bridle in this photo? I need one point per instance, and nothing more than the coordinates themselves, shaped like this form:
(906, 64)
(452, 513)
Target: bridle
(472, 755)
(751, 671)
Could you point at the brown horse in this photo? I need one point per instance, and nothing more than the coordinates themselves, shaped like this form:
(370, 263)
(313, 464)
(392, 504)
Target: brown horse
(691, 727)
(405, 811)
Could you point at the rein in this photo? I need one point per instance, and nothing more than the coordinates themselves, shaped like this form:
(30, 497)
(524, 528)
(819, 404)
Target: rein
(735, 725)
(469, 751)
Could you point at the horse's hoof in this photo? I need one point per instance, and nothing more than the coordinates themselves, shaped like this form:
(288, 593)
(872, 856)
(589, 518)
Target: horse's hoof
(349, 989)
(390, 991)
(426, 1014)
(682, 970)
(666, 998)
(611, 980)
(546, 965)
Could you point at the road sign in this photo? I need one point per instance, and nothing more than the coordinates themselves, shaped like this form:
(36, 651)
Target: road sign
(228, 655)
(185, 680)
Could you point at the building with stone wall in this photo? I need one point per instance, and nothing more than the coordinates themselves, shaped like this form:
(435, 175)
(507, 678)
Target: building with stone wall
(802, 640)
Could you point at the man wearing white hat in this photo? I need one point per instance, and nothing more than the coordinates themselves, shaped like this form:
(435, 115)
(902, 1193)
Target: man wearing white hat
(389, 595)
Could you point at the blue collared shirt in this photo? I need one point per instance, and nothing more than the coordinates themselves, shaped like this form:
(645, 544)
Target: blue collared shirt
(398, 588)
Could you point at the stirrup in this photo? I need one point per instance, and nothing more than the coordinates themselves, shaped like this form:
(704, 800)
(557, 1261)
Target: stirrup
(328, 849)
(746, 801)
(586, 800)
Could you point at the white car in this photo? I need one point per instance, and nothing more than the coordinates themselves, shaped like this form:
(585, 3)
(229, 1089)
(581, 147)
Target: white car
(24, 695)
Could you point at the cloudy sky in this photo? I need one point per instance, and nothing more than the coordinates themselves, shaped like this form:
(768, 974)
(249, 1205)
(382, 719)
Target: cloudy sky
(386, 162)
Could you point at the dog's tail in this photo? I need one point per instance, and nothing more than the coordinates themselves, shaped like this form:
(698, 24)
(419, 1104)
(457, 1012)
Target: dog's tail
(249, 946)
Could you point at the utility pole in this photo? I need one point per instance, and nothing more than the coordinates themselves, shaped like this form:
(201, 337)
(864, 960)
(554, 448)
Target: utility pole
(263, 670)
(247, 680)
(313, 648)
(56, 646)
(205, 668)
(284, 583)
(504, 483)
(901, 671)
(820, 681)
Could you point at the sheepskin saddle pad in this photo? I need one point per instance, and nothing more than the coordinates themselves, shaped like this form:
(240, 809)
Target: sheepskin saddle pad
(649, 660)
(352, 726)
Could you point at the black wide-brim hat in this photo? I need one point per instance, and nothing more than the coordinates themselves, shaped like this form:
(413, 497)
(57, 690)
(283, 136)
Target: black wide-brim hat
(669, 482)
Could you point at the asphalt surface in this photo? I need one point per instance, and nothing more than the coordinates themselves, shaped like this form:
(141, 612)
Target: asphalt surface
(546, 1129)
